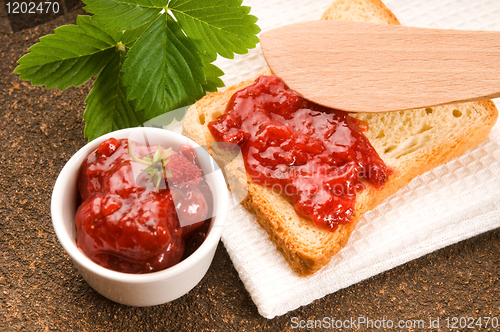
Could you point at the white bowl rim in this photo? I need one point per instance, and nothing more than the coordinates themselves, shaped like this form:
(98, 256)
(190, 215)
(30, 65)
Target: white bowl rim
(76, 254)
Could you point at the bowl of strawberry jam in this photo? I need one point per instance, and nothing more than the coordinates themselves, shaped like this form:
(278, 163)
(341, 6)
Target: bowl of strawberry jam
(140, 211)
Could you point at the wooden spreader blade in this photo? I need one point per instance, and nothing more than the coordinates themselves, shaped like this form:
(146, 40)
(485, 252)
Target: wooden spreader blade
(365, 67)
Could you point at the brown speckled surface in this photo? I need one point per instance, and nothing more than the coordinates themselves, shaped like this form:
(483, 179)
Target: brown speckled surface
(41, 290)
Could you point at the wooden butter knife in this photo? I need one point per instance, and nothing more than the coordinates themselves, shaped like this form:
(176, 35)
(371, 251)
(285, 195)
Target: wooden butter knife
(366, 67)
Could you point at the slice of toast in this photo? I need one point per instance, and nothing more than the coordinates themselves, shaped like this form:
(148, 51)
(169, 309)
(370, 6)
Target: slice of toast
(411, 142)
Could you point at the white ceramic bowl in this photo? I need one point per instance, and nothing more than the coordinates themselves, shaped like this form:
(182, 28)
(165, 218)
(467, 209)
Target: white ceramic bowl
(139, 289)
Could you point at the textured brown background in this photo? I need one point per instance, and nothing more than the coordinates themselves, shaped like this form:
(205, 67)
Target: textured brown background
(40, 289)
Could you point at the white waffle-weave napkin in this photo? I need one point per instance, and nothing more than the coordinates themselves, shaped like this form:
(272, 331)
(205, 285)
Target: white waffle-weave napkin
(451, 203)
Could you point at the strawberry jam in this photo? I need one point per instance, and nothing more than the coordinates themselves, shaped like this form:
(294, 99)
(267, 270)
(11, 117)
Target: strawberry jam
(129, 223)
(316, 156)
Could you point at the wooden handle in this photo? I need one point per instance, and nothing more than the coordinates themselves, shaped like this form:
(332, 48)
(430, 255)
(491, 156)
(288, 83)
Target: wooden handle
(365, 67)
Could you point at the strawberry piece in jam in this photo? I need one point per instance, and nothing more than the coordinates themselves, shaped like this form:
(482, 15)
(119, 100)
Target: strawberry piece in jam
(317, 156)
(184, 172)
(127, 224)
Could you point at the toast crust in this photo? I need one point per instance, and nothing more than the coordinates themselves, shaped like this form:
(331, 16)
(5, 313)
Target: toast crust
(305, 246)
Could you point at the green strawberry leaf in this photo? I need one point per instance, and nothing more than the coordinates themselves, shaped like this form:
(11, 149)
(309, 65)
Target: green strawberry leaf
(149, 57)
(69, 57)
(221, 27)
(107, 106)
(212, 75)
(123, 14)
(130, 36)
(170, 63)
(163, 71)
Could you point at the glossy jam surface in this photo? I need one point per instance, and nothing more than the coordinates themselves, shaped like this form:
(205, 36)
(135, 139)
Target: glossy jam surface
(126, 223)
(318, 157)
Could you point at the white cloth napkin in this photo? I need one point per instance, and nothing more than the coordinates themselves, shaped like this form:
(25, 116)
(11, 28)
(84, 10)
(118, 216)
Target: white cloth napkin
(451, 203)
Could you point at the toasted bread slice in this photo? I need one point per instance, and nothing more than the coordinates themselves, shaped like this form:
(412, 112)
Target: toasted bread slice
(411, 142)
